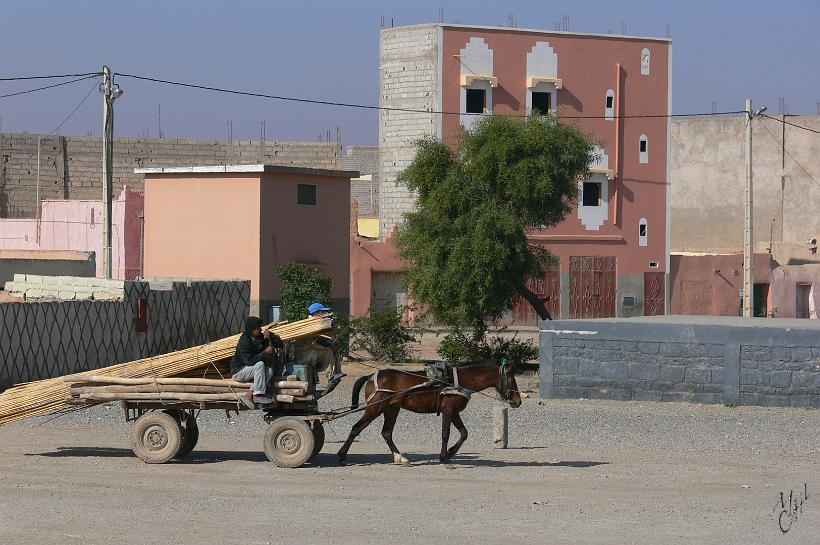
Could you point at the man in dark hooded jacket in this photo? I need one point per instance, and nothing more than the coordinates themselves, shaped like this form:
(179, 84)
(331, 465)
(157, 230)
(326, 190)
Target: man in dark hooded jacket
(254, 360)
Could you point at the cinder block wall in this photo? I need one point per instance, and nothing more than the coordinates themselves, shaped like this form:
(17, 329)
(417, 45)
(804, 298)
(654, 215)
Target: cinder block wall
(409, 78)
(683, 358)
(71, 166)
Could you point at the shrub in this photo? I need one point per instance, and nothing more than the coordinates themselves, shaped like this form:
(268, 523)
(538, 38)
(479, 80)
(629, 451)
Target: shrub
(301, 286)
(381, 334)
(458, 347)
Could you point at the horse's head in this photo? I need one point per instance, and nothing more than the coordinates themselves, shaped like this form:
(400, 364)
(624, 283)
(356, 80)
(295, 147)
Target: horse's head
(506, 385)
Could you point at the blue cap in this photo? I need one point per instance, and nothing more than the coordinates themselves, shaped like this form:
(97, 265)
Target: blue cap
(316, 307)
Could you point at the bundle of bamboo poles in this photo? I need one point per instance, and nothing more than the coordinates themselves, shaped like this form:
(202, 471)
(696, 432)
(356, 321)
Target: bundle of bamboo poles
(46, 396)
(100, 389)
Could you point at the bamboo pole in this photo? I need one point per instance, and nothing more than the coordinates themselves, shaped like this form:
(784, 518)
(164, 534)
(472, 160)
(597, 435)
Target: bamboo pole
(46, 396)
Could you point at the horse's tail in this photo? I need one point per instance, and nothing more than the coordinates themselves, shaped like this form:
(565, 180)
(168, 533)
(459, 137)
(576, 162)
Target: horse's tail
(357, 388)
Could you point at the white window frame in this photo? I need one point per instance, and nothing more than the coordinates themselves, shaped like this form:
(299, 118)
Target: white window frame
(642, 239)
(645, 54)
(543, 87)
(609, 113)
(643, 156)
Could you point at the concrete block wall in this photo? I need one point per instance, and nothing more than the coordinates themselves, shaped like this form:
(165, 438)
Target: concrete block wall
(700, 359)
(71, 166)
(65, 288)
(409, 78)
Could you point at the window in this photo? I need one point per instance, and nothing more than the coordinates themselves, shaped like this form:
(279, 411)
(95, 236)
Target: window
(541, 102)
(306, 194)
(643, 149)
(609, 105)
(645, 56)
(591, 194)
(642, 232)
(476, 101)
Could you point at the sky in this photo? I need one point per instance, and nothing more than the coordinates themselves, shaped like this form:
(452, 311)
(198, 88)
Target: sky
(724, 51)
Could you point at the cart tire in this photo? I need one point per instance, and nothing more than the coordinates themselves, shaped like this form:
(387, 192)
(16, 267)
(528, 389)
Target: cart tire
(156, 437)
(289, 442)
(190, 432)
(318, 437)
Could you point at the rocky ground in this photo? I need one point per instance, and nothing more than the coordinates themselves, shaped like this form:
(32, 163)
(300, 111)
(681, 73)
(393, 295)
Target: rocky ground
(578, 471)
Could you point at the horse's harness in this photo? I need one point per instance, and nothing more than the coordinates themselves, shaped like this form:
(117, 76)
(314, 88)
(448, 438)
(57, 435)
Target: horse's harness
(454, 389)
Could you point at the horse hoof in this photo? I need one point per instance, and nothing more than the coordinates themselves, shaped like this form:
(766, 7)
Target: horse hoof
(400, 460)
(342, 461)
(444, 459)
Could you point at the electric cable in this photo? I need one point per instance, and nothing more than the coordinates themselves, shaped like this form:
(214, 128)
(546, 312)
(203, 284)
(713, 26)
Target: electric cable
(7, 95)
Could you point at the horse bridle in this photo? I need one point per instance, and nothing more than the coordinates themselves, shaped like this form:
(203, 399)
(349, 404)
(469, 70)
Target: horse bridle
(504, 382)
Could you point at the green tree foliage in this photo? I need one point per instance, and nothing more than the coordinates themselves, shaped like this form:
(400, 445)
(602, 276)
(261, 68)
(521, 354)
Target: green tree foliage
(466, 243)
(458, 347)
(301, 286)
(381, 334)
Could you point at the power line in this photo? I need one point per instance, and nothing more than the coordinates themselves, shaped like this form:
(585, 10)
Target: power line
(57, 128)
(391, 109)
(783, 147)
(792, 124)
(22, 78)
(47, 86)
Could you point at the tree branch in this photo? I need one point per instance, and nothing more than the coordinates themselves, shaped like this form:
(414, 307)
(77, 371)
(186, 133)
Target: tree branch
(537, 303)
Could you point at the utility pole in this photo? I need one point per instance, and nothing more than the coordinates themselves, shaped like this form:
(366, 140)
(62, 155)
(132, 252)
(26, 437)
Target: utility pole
(748, 238)
(111, 92)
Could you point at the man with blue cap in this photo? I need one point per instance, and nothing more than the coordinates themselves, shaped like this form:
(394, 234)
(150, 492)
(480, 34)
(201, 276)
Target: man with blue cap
(321, 352)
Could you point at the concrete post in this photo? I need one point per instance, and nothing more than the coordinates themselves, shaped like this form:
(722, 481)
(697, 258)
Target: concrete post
(500, 427)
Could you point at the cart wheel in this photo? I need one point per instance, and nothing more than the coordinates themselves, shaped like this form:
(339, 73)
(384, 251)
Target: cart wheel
(318, 437)
(289, 442)
(190, 432)
(156, 437)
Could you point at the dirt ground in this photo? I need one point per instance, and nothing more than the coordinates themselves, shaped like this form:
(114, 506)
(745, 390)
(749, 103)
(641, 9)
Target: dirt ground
(579, 471)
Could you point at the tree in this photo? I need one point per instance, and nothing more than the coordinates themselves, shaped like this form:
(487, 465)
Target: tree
(466, 243)
(301, 286)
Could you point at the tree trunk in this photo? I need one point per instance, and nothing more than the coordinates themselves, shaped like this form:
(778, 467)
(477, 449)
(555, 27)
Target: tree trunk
(537, 303)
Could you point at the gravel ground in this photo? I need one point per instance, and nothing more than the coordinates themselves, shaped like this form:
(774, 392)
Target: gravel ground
(579, 471)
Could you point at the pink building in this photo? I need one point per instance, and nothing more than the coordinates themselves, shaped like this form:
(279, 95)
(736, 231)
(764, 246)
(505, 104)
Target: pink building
(614, 248)
(242, 221)
(77, 225)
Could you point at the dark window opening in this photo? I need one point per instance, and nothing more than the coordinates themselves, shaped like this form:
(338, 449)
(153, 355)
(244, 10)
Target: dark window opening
(141, 322)
(610, 101)
(306, 194)
(476, 101)
(591, 194)
(642, 230)
(643, 146)
(541, 102)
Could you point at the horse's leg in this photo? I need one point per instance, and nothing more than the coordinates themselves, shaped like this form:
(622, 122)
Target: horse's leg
(446, 418)
(369, 416)
(390, 416)
(462, 430)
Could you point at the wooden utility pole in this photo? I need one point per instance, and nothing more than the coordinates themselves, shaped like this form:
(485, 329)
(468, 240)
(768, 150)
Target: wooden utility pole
(748, 235)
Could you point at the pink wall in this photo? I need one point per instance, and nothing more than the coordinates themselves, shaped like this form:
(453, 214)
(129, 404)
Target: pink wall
(367, 256)
(587, 66)
(784, 289)
(77, 225)
(203, 226)
(711, 284)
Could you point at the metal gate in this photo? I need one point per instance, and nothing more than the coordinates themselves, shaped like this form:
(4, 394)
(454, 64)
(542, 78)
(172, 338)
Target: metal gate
(592, 287)
(548, 285)
(654, 294)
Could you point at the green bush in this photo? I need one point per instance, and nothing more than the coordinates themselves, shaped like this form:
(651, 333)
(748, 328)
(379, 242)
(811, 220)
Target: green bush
(301, 286)
(457, 347)
(381, 334)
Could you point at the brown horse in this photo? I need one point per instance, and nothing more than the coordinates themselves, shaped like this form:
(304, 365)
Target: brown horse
(389, 390)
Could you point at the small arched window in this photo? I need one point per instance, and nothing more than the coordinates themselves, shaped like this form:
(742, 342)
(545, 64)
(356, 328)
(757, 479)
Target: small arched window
(609, 105)
(643, 149)
(645, 56)
(642, 232)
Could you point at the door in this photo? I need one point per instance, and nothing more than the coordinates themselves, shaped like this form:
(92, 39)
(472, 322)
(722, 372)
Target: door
(802, 306)
(387, 291)
(654, 294)
(547, 286)
(592, 287)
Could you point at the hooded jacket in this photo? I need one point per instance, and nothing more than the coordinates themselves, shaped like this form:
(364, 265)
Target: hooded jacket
(250, 349)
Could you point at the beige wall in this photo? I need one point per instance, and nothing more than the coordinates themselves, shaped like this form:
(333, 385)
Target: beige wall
(708, 181)
(203, 226)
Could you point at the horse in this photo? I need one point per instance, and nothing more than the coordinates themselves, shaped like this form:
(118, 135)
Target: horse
(387, 391)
